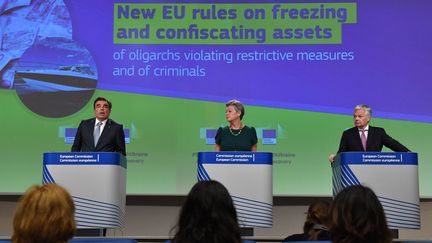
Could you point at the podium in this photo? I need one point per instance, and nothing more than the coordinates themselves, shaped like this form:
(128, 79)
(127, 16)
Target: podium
(96, 182)
(248, 178)
(392, 176)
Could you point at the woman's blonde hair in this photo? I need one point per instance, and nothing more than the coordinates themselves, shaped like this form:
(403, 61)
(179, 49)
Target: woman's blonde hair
(317, 215)
(44, 214)
(238, 106)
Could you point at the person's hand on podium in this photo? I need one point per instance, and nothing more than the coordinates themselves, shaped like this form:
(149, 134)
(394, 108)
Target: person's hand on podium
(332, 158)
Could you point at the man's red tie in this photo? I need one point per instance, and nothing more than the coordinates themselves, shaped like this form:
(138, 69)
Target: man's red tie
(363, 139)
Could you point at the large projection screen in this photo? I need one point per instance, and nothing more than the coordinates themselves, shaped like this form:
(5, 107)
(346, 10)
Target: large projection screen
(169, 67)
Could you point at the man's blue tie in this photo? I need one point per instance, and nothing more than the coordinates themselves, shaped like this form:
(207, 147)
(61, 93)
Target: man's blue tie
(97, 132)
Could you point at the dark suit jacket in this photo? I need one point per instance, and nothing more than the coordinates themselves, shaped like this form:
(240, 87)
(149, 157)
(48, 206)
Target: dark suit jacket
(376, 139)
(112, 138)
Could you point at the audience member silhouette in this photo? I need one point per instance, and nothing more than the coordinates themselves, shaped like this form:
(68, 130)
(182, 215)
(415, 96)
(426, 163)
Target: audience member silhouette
(316, 225)
(358, 217)
(208, 215)
(45, 214)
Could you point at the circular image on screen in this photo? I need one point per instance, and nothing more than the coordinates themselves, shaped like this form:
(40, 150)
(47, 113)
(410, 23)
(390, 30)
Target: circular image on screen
(56, 77)
(24, 22)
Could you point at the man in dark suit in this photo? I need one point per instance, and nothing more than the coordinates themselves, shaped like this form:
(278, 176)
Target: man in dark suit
(363, 137)
(100, 134)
